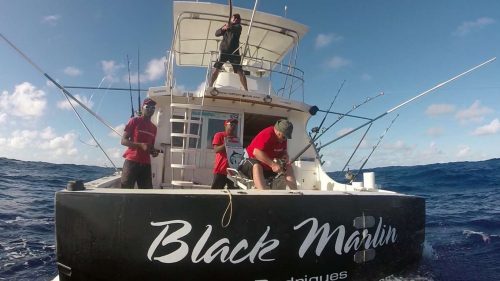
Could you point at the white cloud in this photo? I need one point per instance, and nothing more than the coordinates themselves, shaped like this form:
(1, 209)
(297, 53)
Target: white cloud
(344, 131)
(337, 62)
(3, 117)
(115, 152)
(475, 113)
(463, 151)
(435, 131)
(26, 102)
(72, 71)
(439, 109)
(120, 129)
(47, 133)
(51, 19)
(323, 40)
(471, 26)
(64, 104)
(492, 128)
(61, 145)
(21, 139)
(110, 69)
(155, 69)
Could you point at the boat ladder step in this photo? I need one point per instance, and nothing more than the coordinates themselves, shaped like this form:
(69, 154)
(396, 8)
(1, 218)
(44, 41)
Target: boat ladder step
(182, 135)
(183, 166)
(182, 183)
(192, 121)
(186, 105)
(183, 150)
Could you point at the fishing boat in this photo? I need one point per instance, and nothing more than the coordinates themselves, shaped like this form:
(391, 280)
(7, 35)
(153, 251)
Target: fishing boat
(183, 230)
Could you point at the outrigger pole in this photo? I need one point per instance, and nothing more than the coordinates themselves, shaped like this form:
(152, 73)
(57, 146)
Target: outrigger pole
(58, 85)
(406, 102)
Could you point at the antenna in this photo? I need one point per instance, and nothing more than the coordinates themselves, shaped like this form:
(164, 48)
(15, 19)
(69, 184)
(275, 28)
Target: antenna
(130, 88)
(285, 10)
(138, 85)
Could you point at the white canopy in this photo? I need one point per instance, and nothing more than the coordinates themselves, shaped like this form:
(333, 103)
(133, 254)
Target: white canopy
(195, 23)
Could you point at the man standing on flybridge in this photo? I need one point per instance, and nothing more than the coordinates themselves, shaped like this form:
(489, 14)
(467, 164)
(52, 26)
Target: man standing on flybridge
(230, 50)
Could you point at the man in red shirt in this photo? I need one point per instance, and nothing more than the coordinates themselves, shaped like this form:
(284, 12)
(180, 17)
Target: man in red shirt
(221, 161)
(268, 145)
(139, 137)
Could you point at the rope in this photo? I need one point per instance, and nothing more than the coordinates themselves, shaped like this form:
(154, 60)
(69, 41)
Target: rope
(230, 208)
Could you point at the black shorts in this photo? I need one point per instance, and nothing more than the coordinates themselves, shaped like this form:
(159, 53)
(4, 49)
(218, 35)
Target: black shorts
(234, 59)
(246, 168)
(220, 181)
(136, 172)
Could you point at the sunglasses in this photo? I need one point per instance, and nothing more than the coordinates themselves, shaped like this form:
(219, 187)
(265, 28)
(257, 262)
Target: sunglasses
(149, 107)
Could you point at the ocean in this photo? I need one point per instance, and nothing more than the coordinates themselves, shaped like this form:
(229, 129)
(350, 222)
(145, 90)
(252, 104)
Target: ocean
(462, 227)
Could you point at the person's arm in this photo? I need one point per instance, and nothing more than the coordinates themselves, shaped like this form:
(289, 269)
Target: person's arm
(127, 141)
(219, 32)
(219, 148)
(262, 157)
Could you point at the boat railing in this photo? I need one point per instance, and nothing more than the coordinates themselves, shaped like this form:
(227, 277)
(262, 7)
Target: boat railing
(284, 80)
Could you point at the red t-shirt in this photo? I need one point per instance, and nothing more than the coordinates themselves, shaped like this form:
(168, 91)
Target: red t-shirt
(143, 131)
(221, 163)
(268, 142)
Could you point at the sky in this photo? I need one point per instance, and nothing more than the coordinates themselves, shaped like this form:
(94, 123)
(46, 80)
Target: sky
(398, 47)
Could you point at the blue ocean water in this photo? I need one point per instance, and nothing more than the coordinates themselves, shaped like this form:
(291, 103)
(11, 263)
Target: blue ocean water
(462, 228)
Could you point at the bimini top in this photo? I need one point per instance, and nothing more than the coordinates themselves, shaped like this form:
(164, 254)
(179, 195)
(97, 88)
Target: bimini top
(195, 24)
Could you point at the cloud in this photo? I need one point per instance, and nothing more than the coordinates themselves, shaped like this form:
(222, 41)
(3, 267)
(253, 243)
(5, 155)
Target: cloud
(51, 19)
(47, 133)
(110, 69)
(26, 102)
(463, 151)
(472, 26)
(72, 71)
(120, 128)
(435, 131)
(3, 117)
(439, 109)
(475, 113)
(21, 138)
(61, 145)
(344, 131)
(489, 129)
(155, 69)
(323, 40)
(64, 104)
(337, 62)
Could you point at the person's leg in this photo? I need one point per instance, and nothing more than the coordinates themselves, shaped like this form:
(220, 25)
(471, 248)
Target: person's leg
(219, 181)
(129, 174)
(214, 77)
(258, 177)
(230, 183)
(290, 179)
(144, 180)
(243, 79)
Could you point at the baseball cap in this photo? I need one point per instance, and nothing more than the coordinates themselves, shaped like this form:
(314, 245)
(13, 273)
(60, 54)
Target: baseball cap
(284, 126)
(230, 120)
(148, 101)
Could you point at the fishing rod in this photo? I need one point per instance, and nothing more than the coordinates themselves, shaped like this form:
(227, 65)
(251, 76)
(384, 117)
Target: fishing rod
(138, 83)
(357, 146)
(316, 129)
(312, 141)
(130, 89)
(89, 131)
(230, 13)
(58, 85)
(374, 147)
(99, 88)
(346, 115)
(408, 101)
(249, 29)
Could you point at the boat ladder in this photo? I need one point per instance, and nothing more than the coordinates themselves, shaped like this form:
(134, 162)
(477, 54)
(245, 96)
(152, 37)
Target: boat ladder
(186, 122)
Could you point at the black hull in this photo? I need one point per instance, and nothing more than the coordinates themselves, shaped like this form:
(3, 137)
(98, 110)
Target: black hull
(173, 236)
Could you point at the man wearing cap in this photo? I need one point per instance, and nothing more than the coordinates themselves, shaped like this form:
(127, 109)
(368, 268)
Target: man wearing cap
(268, 145)
(230, 50)
(221, 161)
(139, 137)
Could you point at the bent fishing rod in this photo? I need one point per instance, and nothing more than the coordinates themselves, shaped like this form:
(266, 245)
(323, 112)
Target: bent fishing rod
(392, 109)
(58, 85)
(408, 101)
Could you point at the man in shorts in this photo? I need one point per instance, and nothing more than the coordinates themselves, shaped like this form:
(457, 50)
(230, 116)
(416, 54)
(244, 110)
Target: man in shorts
(230, 50)
(221, 162)
(265, 153)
